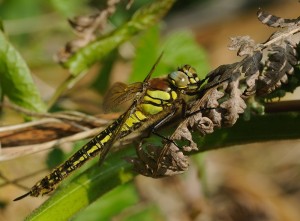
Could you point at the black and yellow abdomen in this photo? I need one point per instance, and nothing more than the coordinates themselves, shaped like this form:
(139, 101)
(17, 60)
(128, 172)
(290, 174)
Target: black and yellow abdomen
(93, 148)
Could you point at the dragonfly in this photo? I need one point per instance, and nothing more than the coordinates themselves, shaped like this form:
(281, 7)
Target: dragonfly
(155, 102)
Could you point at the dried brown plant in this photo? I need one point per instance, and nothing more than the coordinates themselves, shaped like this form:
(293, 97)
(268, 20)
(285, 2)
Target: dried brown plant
(224, 97)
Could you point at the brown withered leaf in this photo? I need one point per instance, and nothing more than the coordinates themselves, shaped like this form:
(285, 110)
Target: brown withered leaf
(46, 131)
(171, 163)
(234, 106)
(244, 45)
(274, 21)
(278, 67)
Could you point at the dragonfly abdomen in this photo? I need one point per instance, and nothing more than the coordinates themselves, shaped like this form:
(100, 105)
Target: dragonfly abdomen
(93, 148)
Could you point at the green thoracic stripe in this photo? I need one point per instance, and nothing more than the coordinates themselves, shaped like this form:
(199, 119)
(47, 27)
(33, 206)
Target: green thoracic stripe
(161, 95)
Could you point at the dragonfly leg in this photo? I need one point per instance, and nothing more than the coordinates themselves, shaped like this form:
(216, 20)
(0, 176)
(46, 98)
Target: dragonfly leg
(169, 160)
(168, 151)
(147, 160)
(161, 155)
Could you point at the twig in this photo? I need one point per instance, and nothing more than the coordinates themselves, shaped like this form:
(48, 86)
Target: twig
(64, 116)
(13, 152)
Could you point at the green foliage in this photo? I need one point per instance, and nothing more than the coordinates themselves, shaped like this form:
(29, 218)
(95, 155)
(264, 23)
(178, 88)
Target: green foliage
(55, 157)
(182, 48)
(147, 52)
(16, 82)
(101, 83)
(85, 188)
(267, 128)
(179, 48)
(21, 8)
(111, 204)
(121, 203)
(68, 8)
(149, 213)
(1, 26)
(96, 50)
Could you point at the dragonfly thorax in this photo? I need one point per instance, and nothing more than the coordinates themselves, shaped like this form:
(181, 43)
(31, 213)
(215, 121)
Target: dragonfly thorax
(185, 78)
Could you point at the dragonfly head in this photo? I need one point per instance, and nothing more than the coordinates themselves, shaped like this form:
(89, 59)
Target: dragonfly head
(186, 79)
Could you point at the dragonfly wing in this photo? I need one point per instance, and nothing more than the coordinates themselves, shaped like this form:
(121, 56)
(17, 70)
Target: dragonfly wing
(120, 93)
(153, 68)
(116, 132)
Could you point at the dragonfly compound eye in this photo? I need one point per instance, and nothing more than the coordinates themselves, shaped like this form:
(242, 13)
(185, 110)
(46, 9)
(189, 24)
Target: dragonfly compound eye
(191, 73)
(185, 78)
(179, 79)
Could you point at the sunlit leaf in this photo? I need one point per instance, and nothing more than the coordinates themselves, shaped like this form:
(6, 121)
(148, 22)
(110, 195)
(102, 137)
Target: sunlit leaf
(95, 51)
(149, 213)
(179, 48)
(68, 8)
(182, 48)
(16, 81)
(85, 188)
(55, 157)
(101, 83)
(21, 8)
(146, 55)
(110, 205)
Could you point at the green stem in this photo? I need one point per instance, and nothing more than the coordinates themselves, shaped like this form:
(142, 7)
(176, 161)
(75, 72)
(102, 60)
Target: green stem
(95, 51)
(268, 127)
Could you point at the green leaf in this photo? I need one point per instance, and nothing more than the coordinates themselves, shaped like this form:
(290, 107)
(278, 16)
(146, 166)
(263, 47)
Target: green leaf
(68, 8)
(55, 157)
(14, 9)
(146, 54)
(16, 82)
(1, 26)
(86, 188)
(149, 213)
(179, 48)
(110, 204)
(101, 82)
(269, 127)
(96, 50)
(182, 48)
